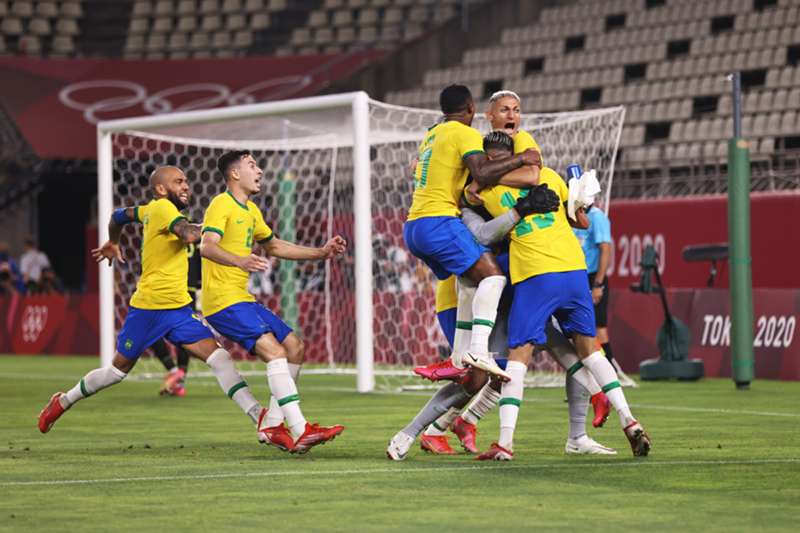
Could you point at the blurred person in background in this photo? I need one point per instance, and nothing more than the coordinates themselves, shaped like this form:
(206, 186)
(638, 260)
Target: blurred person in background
(49, 282)
(10, 276)
(32, 262)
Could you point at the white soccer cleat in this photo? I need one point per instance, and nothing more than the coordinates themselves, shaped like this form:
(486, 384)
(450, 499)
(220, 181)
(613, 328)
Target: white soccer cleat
(399, 446)
(585, 445)
(486, 363)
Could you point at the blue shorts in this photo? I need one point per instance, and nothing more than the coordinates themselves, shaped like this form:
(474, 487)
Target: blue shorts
(565, 295)
(447, 321)
(444, 244)
(245, 322)
(143, 327)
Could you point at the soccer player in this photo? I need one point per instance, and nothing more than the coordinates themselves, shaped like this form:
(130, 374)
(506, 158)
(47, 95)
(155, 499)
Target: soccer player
(232, 225)
(548, 272)
(434, 233)
(160, 306)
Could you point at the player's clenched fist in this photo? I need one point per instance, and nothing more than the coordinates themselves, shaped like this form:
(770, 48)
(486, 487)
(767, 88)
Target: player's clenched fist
(253, 263)
(335, 246)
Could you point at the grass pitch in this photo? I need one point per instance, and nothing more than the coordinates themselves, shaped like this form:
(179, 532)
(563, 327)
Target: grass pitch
(128, 459)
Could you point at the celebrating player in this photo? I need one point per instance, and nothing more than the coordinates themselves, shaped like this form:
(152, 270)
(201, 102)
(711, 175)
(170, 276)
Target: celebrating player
(231, 227)
(548, 272)
(435, 234)
(160, 306)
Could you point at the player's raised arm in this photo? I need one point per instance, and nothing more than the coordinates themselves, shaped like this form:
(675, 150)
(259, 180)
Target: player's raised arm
(288, 250)
(110, 249)
(488, 172)
(210, 249)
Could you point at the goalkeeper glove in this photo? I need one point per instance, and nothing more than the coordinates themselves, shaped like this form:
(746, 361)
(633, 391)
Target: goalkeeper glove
(540, 199)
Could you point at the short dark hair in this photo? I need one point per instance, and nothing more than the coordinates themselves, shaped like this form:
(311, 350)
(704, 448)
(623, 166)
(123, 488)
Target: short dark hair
(498, 140)
(454, 99)
(228, 159)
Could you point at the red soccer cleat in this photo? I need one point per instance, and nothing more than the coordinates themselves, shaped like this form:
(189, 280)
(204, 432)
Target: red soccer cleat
(172, 382)
(277, 436)
(436, 444)
(466, 433)
(51, 412)
(313, 435)
(496, 453)
(443, 370)
(602, 407)
(638, 438)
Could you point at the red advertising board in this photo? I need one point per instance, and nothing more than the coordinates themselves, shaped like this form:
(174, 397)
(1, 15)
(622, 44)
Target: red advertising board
(56, 103)
(672, 224)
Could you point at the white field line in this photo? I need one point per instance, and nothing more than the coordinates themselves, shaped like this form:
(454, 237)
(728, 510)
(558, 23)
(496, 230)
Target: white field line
(399, 470)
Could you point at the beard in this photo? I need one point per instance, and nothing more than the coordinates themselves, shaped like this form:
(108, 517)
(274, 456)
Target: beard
(176, 201)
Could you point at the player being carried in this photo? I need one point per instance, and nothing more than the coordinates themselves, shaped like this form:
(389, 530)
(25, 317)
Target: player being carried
(548, 272)
(232, 225)
(435, 234)
(160, 306)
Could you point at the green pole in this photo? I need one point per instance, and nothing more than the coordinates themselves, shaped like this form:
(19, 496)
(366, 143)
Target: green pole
(286, 231)
(741, 283)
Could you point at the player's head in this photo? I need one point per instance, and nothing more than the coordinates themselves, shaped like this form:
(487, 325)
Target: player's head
(504, 111)
(240, 169)
(170, 182)
(457, 100)
(498, 144)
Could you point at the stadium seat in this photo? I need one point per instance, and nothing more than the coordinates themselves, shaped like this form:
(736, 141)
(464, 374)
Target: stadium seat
(11, 26)
(63, 44)
(187, 24)
(345, 35)
(71, 9)
(221, 40)
(162, 25)
(323, 36)
(199, 41)
(22, 9)
(187, 7)
(211, 23)
(318, 19)
(177, 42)
(141, 9)
(29, 44)
(47, 9)
(164, 8)
(231, 6)
(138, 26)
(235, 22)
(156, 42)
(209, 7)
(243, 39)
(301, 36)
(789, 124)
(39, 26)
(342, 18)
(259, 21)
(134, 43)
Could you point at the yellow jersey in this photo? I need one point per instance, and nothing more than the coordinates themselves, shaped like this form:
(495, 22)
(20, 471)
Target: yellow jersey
(540, 243)
(162, 284)
(446, 294)
(240, 226)
(441, 172)
(524, 140)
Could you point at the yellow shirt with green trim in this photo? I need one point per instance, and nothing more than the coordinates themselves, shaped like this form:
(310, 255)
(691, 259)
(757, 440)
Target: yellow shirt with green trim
(441, 170)
(446, 294)
(523, 141)
(239, 225)
(540, 243)
(162, 284)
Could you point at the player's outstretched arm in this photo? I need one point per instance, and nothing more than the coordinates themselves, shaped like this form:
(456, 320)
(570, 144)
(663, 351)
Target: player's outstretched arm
(210, 249)
(287, 250)
(110, 249)
(488, 232)
(489, 171)
(188, 232)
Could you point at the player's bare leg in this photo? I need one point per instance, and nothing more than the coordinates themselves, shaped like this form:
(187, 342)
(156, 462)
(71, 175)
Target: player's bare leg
(606, 377)
(93, 382)
(283, 387)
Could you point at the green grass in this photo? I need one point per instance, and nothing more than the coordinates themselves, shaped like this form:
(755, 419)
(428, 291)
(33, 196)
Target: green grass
(722, 461)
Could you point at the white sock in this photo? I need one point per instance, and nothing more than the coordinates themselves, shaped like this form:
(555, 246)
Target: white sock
(581, 374)
(484, 312)
(96, 380)
(605, 375)
(465, 293)
(578, 403)
(232, 383)
(482, 403)
(439, 427)
(284, 389)
(275, 413)
(510, 402)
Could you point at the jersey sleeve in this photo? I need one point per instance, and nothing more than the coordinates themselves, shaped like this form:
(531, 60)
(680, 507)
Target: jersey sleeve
(164, 215)
(262, 232)
(555, 183)
(601, 228)
(468, 142)
(216, 218)
(524, 141)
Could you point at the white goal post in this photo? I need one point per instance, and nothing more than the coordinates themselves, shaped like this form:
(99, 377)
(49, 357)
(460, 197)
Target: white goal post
(345, 160)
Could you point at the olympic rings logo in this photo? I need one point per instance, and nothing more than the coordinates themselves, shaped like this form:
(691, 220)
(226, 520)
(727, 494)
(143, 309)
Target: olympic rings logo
(158, 103)
(34, 319)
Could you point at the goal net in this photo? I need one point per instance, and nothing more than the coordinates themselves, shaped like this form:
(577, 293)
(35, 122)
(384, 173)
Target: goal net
(332, 165)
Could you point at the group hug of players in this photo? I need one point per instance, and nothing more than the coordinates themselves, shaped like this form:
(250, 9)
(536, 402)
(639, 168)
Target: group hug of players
(512, 198)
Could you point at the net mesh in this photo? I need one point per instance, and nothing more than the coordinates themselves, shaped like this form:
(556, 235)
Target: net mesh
(307, 158)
